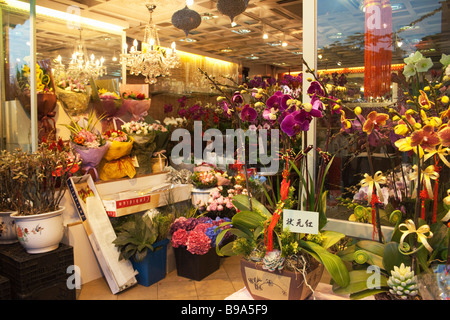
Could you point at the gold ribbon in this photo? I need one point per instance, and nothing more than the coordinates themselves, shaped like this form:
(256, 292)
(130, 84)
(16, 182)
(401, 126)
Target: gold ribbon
(442, 152)
(427, 174)
(370, 182)
(410, 229)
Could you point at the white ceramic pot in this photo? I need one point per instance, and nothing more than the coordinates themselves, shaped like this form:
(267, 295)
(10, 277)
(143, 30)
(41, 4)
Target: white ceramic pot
(7, 228)
(201, 195)
(40, 233)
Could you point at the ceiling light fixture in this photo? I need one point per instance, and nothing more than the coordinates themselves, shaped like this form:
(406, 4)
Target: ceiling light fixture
(152, 60)
(82, 66)
(232, 8)
(186, 20)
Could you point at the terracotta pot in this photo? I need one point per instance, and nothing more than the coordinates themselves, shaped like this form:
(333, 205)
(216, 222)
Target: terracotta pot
(40, 233)
(279, 285)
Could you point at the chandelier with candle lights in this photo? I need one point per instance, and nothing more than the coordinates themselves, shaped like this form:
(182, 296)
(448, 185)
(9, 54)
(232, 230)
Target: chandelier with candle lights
(81, 66)
(152, 61)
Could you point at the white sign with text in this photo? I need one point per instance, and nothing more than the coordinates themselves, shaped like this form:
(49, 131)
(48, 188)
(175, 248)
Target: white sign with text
(301, 221)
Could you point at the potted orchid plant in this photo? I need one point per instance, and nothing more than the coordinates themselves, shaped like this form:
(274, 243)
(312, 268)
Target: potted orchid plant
(418, 127)
(269, 249)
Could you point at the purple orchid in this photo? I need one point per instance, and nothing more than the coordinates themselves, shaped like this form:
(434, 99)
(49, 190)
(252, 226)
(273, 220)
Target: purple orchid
(317, 107)
(278, 101)
(316, 89)
(248, 114)
(237, 98)
(295, 122)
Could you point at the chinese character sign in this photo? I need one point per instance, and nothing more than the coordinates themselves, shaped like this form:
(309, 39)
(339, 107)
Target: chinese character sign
(301, 221)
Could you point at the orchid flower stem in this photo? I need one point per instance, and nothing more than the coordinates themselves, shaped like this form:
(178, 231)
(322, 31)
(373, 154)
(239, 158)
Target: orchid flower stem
(377, 210)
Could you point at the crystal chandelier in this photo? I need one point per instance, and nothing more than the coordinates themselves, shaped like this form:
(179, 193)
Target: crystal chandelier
(81, 66)
(152, 60)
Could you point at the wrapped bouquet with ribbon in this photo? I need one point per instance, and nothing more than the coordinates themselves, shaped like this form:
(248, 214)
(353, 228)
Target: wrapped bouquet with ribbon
(108, 103)
(136, 104)
(117, 162)
(88, 142)
(73, 94)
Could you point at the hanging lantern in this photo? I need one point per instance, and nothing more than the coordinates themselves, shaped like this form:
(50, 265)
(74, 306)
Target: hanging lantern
(232, 8)
(186, 20)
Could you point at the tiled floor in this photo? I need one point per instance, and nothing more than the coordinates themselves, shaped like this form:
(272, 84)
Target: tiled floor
(216, 286)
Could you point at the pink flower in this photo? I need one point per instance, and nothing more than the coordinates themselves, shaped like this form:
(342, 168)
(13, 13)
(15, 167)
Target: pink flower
(198, 243)
(179, 238)
(219, 207)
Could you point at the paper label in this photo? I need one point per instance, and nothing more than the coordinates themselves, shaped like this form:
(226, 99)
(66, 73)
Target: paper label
(301, 221)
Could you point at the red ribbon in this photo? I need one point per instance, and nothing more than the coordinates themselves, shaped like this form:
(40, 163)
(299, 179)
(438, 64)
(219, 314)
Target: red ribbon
(269, 232)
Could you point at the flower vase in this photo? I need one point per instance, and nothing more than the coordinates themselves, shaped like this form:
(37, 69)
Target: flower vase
(153, 268)
(7, 228)
(201, 196)
(279, 285)
(40, 233)
(195, 266)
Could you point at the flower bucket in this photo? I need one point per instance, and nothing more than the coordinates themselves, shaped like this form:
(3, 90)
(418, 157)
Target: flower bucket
(153, 268)
(158, 163)
(74, 103)
(279, 285)
(40, 233)
(195, 266)
(7, 228)
(201, 195)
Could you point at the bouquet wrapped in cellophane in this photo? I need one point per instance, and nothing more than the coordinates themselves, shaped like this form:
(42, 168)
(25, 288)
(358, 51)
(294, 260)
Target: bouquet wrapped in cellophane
(73, 94)
(117, 162)
(88, 142)
(46, 98)
(108, 103)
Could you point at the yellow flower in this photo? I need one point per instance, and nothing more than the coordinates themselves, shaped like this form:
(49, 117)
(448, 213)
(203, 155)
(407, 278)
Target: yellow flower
(404, 145)
(445, 99)
(358, 111)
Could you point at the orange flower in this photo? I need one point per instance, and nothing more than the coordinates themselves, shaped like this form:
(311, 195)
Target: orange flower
(374, 121)
(426, 137)
(444, 134)
(423, 100)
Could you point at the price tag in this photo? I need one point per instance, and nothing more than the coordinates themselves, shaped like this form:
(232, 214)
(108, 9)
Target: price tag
(301, 221)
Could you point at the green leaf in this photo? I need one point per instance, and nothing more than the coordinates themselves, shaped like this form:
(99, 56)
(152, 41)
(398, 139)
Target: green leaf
(332, 263)
(393, 257)
(330, 238)
(372, 246)
(367, 293)
(241, 202)
(359, 280)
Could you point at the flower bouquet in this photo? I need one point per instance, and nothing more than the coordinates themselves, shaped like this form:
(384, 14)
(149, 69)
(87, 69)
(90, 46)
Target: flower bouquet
(88, 143)
(109, 104)
(136, 104)
(117, 162)
(193, 240)
(73, 95)
(46, 98)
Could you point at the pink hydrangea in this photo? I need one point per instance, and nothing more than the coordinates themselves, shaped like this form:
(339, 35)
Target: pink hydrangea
(179, 238)
(198, 242)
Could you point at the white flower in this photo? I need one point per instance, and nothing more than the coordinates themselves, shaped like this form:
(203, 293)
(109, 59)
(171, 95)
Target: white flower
(413, 58)
(423, 65)
(445, 60)
(409, 70)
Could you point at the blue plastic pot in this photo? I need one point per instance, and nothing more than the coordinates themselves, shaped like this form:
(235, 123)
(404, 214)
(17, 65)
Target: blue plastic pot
(153, 268)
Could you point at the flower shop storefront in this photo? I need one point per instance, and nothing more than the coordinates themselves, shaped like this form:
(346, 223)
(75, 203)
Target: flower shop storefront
(315, 150)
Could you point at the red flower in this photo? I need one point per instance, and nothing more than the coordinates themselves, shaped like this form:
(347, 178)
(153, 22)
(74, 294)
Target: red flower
(444, 135)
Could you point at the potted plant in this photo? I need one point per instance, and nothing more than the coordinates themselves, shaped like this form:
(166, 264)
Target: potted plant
(143, 240)
(417, 126)
(7, 227)
(193, 240)
(38, 184)
(204, 183)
